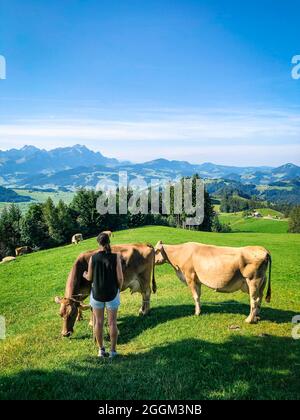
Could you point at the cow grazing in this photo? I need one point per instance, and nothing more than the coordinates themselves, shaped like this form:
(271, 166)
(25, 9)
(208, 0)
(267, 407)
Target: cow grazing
(21, 250)
(77, 238)
(224, 269)
(7, 259)
(138, 269)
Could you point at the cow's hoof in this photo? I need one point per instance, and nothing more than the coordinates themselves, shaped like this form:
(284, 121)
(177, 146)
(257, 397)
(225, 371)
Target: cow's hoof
(142, 312)
(252, 320)
(197, 313)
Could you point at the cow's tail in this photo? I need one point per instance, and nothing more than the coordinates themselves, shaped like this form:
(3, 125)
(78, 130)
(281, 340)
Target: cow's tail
(154, 286)
(268, 295)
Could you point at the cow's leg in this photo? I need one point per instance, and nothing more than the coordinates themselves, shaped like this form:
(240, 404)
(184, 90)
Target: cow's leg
(145, 308)
(79, 315)
(195, 286)
(254, 292)
(145, 283)
(260, 295)
(91, 322)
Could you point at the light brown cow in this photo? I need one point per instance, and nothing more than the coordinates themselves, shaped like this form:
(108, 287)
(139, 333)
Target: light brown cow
(138, 269)
(224, 269)
(7, 259)
(21, 250)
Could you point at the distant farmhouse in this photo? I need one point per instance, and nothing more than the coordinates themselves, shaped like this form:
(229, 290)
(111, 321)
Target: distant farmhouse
(256, 214)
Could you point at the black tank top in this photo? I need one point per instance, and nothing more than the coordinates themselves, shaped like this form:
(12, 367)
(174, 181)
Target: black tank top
(105, 281)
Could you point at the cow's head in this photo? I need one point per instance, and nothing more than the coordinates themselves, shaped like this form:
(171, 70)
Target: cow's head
(69, 309)
(160, 254)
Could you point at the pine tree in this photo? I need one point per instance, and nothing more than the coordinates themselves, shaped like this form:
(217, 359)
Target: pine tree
(10, 229)
(34, 228)
(66, 225)
(52, 221)
(85, 211)
(294, 220)
(209, 213)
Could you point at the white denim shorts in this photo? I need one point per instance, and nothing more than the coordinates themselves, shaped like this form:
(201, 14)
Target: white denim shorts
(112, 305)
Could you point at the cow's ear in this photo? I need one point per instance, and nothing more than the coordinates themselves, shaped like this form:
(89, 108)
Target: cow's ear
(58, 300)
(158, 247)
(84, 307)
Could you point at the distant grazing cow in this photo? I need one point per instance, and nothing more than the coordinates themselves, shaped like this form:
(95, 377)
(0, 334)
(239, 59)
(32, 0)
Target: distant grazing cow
(224, 269)
(138, 270)
(21, 250)
(77, 238)
(7, 259)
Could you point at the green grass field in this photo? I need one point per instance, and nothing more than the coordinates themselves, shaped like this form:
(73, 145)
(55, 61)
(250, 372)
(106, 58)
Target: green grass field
(270, 212)
(239, 223)
(169, 354)
(39, 197)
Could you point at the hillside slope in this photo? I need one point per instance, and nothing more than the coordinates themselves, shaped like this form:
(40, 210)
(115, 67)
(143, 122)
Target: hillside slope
(8, 195)
(238, 223)
(164, 355)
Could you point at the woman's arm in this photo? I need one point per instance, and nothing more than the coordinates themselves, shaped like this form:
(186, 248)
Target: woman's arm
(119, 272)
(88, 275)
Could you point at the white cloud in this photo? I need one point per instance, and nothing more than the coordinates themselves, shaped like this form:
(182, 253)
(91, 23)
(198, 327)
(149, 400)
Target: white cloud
(210, 134)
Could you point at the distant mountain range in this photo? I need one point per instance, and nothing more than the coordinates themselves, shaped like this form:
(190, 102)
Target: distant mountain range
(69, 168)
(30, 159)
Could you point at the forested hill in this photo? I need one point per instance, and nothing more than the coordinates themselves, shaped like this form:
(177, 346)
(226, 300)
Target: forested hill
(10, 196)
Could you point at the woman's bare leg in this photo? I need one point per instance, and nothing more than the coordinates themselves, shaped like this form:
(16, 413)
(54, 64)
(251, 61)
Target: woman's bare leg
(98, 326)
(113, 329)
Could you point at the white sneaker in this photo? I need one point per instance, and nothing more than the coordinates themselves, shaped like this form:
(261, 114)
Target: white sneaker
(113, 354)
(102, 353)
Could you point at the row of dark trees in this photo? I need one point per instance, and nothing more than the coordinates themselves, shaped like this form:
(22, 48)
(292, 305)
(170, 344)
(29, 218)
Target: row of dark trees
(294, 220)
(46, 225)
(232, 204)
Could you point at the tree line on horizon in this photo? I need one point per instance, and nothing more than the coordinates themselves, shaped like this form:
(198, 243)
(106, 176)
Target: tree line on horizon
(46, 225)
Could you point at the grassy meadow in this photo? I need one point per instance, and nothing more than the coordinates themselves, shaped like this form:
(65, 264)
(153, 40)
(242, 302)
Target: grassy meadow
(238, 223)
(169, 354)
(39, 197)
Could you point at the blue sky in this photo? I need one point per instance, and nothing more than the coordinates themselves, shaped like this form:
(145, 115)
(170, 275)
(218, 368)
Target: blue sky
(201, 80)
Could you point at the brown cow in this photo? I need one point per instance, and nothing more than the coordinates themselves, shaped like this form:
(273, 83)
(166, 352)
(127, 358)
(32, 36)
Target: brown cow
(21, 250)
(224, 269)
(138, 269)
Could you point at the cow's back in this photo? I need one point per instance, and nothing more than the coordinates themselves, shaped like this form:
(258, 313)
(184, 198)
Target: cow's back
(137, 261)
(134, 255)
(136, 258)
(218, 266)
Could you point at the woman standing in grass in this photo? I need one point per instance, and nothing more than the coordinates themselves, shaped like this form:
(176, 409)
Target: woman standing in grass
(105, 271)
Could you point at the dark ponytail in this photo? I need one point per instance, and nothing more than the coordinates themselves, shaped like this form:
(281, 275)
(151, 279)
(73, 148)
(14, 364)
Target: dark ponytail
(104, 241)
(107, 248)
